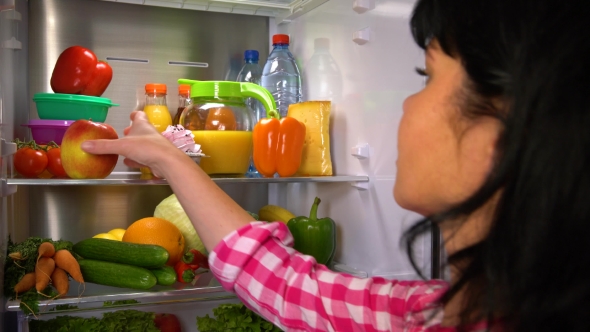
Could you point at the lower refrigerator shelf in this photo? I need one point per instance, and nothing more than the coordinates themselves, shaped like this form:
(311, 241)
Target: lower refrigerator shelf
(89, 296)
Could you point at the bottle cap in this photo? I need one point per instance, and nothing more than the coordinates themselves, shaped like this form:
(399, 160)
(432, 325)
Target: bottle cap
(155, 88)
(251, 55)
(280, 39)
(184, 89)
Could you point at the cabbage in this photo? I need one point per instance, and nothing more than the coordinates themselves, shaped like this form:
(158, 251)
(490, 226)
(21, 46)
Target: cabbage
(171, 210)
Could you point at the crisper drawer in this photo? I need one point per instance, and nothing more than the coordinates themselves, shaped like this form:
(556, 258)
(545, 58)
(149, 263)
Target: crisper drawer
(187, 312)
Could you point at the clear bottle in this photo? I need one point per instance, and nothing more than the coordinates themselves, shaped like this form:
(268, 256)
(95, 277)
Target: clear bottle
(155, 107)
(184, 99)
(281, 75)
(251, 72)
(323, 79)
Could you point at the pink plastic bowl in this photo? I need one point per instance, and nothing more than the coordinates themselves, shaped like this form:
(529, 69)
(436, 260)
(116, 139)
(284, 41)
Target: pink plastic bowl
(45, 131)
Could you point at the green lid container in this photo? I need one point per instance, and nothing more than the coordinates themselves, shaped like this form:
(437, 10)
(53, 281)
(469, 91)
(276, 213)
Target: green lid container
(61, 106)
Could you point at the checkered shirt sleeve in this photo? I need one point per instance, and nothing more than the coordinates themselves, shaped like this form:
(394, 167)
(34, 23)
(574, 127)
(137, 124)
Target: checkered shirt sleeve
(293, 291)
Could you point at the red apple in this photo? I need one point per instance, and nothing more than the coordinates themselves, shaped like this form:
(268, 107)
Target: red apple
(167, 323)
(79, 164)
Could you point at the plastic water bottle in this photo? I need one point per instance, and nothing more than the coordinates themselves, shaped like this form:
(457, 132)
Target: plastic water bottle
(323, 79)
(251, 72)
(281, 75)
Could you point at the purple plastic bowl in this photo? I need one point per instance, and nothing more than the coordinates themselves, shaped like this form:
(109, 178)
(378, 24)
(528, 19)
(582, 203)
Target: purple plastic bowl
(45, 131)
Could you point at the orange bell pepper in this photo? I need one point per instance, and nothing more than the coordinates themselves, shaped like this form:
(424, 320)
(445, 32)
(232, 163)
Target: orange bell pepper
(278, 145)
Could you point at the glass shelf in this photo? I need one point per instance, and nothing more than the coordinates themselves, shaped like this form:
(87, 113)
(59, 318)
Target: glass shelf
(204, 287)
(136, 178)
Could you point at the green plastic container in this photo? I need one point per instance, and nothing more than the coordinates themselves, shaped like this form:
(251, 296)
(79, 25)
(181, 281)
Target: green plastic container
(61, 106)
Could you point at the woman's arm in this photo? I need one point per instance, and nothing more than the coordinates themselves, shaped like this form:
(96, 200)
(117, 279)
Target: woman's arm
(213, 213)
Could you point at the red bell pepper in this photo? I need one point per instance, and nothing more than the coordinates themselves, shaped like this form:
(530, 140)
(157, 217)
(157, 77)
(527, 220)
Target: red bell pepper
(193, 257)
(78, 71)
(184, 273)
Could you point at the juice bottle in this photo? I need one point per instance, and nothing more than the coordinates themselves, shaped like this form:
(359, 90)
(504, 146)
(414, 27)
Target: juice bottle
(184, 100)
(155, 106)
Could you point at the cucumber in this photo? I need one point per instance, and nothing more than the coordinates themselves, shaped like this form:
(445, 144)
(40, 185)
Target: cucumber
(144, 255)
(166, 275)
(116, 274)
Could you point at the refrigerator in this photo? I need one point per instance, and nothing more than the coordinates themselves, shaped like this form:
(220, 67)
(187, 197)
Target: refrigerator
(367, 71)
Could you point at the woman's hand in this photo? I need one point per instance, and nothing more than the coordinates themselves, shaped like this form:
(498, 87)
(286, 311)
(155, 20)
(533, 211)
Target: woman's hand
(142, 146)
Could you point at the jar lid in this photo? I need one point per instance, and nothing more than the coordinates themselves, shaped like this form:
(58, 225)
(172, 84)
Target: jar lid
(229, 89)
(216, 89)
(155, 88)
(280, 39)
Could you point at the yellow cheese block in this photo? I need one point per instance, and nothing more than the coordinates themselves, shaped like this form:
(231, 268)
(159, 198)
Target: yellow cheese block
(315, 115)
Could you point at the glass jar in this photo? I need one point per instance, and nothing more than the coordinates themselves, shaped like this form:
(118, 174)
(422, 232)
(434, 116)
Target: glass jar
(155, 107)
(222, 123)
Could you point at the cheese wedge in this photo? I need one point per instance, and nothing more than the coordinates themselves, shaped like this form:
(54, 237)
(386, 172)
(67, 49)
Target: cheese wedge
(315, 115)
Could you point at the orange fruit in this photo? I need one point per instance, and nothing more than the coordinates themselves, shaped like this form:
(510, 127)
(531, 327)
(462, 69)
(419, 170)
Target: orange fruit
(158, 231)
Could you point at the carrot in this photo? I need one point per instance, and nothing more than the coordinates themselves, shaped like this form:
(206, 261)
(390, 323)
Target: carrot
(60, 281)
(46, 249)
(26, 282)
(64, 260)
(43, 270)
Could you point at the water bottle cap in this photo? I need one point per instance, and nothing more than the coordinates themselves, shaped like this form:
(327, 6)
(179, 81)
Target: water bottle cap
(251, 55)
(280, 39)
(155, 88)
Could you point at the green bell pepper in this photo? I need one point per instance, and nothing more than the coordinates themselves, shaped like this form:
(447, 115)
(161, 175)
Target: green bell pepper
(314, 237)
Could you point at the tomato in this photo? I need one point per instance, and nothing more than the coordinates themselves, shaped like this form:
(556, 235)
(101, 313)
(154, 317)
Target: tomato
(167, 323)
(30, 162)
(78, 71)
(54, 165)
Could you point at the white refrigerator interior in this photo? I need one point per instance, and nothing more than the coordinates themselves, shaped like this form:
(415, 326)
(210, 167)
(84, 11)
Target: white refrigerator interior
(371, 72)
(359, 54)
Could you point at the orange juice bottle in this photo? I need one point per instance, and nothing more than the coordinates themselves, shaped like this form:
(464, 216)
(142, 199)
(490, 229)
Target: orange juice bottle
(155, 106)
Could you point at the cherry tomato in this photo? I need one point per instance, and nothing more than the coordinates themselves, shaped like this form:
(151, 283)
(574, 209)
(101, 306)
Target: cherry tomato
(30, 162)
(54, 165)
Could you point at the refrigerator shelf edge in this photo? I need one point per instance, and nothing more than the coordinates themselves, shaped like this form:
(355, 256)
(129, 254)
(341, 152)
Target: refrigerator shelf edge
(133, 178)
(204, 288)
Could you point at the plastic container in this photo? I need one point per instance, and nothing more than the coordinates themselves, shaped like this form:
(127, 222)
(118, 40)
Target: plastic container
(45, 131)
(281, 75)
(251, 72)
(222, 123)
(323, 79)
(155, 107)
(61, 106)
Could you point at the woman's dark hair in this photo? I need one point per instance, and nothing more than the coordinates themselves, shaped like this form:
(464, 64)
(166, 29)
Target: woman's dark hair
(533, 57)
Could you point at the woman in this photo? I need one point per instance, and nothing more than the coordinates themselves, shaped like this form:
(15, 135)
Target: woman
(495, 150)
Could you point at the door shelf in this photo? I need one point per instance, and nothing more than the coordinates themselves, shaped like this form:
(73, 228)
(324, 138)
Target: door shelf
(205, 287)
(136, 178)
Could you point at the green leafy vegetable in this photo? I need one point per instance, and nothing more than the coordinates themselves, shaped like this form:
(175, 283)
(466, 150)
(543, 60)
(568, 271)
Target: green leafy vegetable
(117, 321)
(235, 318)
(254, 215)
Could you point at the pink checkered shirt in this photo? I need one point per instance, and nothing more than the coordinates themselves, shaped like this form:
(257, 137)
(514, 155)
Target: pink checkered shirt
(295, 293)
